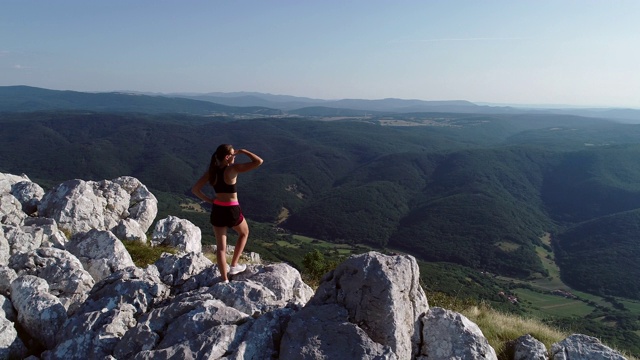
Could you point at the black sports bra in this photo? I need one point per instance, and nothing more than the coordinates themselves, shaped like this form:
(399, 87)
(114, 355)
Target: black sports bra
(221, 186)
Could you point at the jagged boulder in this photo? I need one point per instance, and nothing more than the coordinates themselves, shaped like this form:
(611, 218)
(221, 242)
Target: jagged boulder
(11, 346)
(40, 314)
(327, 332)
(450, 335)
(11, 210)
(179, 233)
(29, 194)
(243, 319)
(111, 309)
(100, 252)
(381, 298)
(7, 275)
(6, 308)
(33, 234)
(79, 206)
(45, 232)
(526, 347)
(5, 248)
(192, 326)
(130, 230)
(65, 276)
(264, 288)
(186, 271)
(578, 346)
(143, 205)
(7, 181)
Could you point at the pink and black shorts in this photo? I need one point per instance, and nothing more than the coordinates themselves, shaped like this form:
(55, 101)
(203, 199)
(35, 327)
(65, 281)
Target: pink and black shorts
(226, 213)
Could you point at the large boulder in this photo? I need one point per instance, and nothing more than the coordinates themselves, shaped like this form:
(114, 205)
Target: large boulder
(178, 233)
(11, 210)
(327, 332)
(66, 278)
(450, 335)
(100, 252)
(526, 347)
(191, 326)
(32, 234)
(29, 194)
(8, 180)
(264, 288)
(382, 297)
(111, 309)
(45, 232)
(186, 271)
(7, 275)
(40, 314)
(79, 206)
(578, 346)
(5, 248)
(11, 347)
(143, 205)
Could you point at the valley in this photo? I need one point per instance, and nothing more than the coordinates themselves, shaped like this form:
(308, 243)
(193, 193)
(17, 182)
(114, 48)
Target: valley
(495, 206)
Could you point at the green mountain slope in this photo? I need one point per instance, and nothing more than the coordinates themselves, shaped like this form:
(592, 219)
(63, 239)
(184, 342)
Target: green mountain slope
(462, 188)
(25, 98)
(600, 256)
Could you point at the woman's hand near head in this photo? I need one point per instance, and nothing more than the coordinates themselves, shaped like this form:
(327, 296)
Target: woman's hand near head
(244, 167)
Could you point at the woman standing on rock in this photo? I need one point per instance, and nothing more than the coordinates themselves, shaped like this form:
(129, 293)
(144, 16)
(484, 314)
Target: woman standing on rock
(226, 213)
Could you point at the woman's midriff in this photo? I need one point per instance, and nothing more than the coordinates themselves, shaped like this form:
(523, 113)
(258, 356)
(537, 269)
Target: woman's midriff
(223, 197)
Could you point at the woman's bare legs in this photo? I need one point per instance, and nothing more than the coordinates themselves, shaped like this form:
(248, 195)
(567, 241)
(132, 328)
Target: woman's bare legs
(243, 235)
(221, 250)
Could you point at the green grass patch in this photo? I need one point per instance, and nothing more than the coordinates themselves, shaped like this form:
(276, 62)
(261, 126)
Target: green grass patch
(554, 305)
(508, 246)
(143, 254)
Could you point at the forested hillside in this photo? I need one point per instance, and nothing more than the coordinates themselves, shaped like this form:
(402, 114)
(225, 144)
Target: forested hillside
(477, 190)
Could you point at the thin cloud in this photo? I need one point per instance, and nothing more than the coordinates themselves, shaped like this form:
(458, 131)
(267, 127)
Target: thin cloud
(459, 39)
(20, 67)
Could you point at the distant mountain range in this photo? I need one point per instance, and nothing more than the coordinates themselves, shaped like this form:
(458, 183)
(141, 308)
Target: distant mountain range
(25, 98)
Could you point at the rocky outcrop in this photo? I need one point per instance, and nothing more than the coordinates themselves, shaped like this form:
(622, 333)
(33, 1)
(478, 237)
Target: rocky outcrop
(449, 335)
(79, 206)
(526, 347)
(179, 233)
(578, 346)
(100, 252)
(84, 298)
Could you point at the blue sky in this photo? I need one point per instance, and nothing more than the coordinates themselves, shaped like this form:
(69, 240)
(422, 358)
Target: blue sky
(583, 53)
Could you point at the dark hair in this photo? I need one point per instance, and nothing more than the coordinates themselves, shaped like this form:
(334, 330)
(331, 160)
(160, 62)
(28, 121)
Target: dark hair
(216, 159)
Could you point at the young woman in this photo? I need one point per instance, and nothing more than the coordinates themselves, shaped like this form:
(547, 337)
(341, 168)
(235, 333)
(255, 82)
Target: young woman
(226, 213)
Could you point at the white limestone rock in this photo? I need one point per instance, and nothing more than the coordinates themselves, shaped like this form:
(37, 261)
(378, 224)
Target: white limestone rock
(5, 248)
(527, 347)
(143, 205)
(7, 275)
(11, 210)
(100, 252)
(40, 314)
(177, 270)
(450, 335)
(130, 230)
(79, 206)
(111, 310)
(382, 296)
(327, 332)
(578, 346)
(66, 279)
(29, 194)
(11, 347)
(179, 233)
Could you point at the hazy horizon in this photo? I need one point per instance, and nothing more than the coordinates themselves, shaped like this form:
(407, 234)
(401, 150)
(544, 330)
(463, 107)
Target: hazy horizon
(527, 53)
